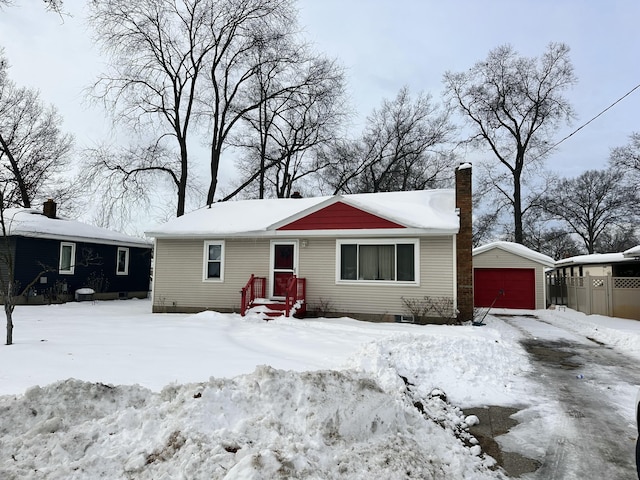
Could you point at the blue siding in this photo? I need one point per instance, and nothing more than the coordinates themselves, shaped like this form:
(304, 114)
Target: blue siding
(95, 265)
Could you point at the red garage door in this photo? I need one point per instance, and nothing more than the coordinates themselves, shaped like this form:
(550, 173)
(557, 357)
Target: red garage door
(517, 285)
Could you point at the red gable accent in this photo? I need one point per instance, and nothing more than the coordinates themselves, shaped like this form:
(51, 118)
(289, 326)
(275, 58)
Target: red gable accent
(340, 216)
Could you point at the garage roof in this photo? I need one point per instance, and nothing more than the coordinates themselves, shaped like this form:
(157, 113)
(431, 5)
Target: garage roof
(517, 249)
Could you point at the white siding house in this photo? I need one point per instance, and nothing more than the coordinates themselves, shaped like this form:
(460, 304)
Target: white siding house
(360, 255)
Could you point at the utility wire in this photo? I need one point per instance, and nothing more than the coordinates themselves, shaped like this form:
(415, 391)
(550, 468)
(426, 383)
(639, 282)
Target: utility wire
(587, 123)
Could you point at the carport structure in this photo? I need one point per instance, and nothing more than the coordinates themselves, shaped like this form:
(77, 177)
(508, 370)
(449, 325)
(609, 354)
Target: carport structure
(509, 275)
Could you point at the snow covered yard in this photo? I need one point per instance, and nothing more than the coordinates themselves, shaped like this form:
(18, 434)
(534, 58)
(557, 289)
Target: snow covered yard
(124, 393)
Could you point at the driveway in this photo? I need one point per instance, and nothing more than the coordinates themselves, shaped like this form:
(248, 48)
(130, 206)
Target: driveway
(584, 427)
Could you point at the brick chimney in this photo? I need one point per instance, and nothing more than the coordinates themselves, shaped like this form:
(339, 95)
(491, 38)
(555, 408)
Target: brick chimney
(464, 258)
(49, 209)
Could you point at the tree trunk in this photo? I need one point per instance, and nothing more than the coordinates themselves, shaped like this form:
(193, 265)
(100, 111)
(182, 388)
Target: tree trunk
(215, 165)
(517, 208)
(263, 146)
(8, 310)
(182, 185)
(15, 169)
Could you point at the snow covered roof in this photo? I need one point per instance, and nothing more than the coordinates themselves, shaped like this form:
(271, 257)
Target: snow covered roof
(595, 258)
(421, 212)
(632, 252)
(516, 249)
(28, 222)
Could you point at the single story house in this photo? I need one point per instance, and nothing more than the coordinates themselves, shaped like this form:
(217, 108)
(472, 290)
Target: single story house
(509, 275)
(368, 255)
(601, 283)
(59, 256)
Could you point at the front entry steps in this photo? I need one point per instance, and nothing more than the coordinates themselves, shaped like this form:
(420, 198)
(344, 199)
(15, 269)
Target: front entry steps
(269, 309)
(253, 296)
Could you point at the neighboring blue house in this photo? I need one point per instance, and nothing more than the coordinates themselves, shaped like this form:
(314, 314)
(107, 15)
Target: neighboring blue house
(65, 255)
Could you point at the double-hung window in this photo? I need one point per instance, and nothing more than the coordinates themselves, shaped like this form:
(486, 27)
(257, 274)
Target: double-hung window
(122, 261)
(213, 261)
(67, 258)
(378, 260)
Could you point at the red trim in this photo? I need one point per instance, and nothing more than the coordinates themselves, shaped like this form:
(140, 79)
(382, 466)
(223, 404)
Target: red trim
(340, 216)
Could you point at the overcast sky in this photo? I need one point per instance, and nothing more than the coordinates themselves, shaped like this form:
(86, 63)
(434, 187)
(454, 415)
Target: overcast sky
(385, 44)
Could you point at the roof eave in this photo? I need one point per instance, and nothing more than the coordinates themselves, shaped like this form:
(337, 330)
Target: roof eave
(77, 238)
(377, 232)
(533, 258)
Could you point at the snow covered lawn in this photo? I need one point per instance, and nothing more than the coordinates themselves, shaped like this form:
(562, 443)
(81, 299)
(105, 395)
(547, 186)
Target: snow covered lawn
(124, 393)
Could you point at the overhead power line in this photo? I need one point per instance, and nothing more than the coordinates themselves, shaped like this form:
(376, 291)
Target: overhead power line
(591, 120)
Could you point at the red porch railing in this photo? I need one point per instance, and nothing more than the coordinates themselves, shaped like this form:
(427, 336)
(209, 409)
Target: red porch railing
(255, 288)
(296, 296)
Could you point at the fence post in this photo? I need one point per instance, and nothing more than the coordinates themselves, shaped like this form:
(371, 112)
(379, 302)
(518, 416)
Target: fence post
(610, 286)
(588, 300)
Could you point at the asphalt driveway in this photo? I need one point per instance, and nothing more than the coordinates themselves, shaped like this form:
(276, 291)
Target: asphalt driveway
(591, 435)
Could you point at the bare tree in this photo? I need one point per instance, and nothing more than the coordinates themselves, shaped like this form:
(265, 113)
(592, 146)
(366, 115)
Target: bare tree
(286, 129)
(402, 148)
(544, 235)
(157, 50)
(240, 28)
(51, 5)
(483, 228)
(33, 150)
(627, 158)
(618, 239)
(7, 277)
(273, 60)
(173, 63)
(593, 203)
(122, 178)
(513, 105)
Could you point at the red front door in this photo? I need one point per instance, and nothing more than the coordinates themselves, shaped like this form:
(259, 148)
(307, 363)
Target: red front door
(284, 266)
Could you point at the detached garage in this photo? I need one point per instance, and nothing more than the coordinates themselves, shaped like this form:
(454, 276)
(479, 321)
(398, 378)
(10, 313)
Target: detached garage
(509, 275)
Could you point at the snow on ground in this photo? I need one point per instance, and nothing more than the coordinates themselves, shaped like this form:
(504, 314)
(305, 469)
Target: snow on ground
(621, 333)
(124, 393)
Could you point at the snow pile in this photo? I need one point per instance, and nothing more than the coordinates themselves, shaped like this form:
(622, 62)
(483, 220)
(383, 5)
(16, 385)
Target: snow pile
(339, 399)
(473, 369)
(265, 425)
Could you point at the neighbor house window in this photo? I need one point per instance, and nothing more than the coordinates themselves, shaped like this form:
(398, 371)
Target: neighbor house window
(122, 261)
(67, 258)
(214, 261)
(378, 260)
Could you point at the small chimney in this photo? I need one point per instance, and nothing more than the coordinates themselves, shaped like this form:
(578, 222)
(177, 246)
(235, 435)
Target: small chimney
(296, 195)
(49, 209)
(464, 244)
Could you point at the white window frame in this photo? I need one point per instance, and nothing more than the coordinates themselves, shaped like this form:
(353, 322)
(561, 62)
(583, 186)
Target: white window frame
(72, 262)
(380, 241)
(126, 261)
(205, 261)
